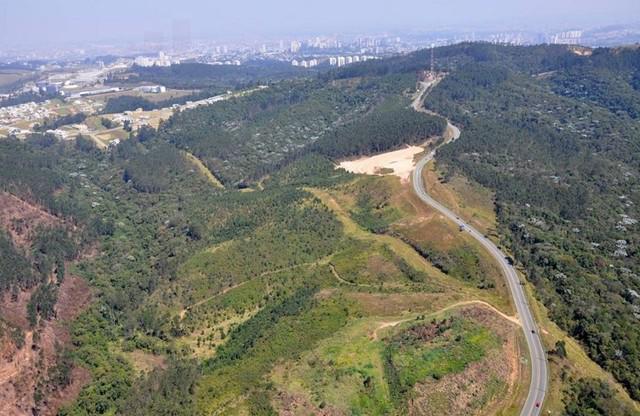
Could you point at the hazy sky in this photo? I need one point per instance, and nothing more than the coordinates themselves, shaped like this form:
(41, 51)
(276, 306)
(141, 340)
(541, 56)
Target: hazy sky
(60, 21)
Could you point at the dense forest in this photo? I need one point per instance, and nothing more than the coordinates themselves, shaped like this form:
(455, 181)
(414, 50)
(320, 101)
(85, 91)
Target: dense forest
(24, 98)
(56, 123)
(196, 75)
(246, 138)
(388, 126)
(123, 103)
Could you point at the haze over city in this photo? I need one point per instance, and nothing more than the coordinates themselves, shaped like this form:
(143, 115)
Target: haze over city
(60, 22)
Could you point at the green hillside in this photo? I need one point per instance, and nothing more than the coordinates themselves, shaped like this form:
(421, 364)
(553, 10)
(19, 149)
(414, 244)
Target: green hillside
(299, 288)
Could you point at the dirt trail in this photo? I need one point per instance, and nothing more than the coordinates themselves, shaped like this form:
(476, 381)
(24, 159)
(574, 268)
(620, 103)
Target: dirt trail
(388, 324)
(183, 312)
(203, 169)
(335, 273)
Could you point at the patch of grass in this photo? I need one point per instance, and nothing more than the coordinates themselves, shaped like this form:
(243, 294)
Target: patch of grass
(373, 209)
(303, 236)
(344, 371)
(369, 263)
(455, 344)
(469, 199)
(286, 330)
(474, 269)
(436, 279)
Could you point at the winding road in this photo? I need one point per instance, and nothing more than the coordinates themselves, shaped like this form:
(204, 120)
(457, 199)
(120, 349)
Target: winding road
(539, 371)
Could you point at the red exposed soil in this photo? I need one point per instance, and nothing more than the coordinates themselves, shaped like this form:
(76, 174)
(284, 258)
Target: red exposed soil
(14, 313)
(21, 368)
(73, 298)
(21, 218)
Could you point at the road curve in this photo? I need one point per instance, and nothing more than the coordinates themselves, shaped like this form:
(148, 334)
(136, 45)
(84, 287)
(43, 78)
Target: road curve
(539, 371)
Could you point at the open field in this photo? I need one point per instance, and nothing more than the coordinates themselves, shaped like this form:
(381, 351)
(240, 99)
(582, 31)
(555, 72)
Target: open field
(390, 207)
(203, 170)
(12, 76)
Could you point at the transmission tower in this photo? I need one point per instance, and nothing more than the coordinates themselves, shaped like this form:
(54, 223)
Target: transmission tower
(432, 59)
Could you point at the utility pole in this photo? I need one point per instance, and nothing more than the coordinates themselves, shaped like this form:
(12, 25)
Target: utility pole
(432, 60)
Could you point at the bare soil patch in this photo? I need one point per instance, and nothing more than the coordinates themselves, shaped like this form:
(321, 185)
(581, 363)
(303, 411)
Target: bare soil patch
(291, 404)
(21, 218)
(398, 162)
(21, 368)
(74, 296)
(14, 311)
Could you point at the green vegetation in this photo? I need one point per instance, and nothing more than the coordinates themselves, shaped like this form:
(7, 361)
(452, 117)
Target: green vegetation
(164, 392)
(434, 350)
(27, 97)
(15, 268)
(388, 126)
(165, 158)
(243, 299)
(123, 103)
(344, 372)
(53, 124)
(242, 139)
(587, 397)
(30, 172)
(566, 195)
(223, 77)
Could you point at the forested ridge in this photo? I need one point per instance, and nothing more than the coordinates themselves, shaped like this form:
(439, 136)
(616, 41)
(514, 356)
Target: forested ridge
(243, 139)
(197, 75)
(562, 153)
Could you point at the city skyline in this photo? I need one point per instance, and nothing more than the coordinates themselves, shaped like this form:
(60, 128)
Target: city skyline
(34, 23)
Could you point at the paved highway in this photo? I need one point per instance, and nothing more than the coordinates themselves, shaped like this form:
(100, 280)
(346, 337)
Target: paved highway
(538, 385)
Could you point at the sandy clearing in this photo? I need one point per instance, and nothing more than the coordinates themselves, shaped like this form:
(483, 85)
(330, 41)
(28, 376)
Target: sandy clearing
(401, 162)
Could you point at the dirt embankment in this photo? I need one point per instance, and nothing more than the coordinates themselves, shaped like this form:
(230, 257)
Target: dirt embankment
(29, 355)
(22, 367)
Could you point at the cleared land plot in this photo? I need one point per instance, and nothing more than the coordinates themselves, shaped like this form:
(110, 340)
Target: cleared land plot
(154, 98)
(11, 76)
(398, 162)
